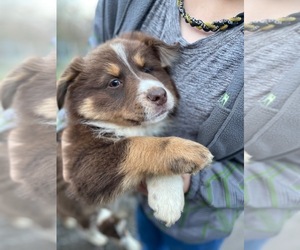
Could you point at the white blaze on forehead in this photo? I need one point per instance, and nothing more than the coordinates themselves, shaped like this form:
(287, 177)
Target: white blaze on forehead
(121, 52)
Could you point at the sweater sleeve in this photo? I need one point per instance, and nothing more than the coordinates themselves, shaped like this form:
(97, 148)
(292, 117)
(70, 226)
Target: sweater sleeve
(108, 16)
(220, 185)
(114, 17)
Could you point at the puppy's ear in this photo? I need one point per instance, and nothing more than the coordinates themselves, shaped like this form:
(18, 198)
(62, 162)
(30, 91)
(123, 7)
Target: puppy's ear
(21, 75)
(68, 77)
(168, 54)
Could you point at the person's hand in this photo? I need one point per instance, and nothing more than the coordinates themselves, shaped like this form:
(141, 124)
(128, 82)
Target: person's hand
(186, 182)
(142, 188)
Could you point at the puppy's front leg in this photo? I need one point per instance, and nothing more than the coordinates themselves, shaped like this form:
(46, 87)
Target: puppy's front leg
(160, 159)
(157, 156)
(99, 171)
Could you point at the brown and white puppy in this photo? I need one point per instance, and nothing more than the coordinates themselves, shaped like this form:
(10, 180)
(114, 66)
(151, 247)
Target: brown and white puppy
(118, 98)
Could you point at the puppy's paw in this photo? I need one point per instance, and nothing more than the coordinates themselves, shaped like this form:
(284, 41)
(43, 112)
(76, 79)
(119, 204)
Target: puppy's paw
(188, 156)
(70, 223)
(95, 237)
(130, 243)
(166, 197)
(247, 157)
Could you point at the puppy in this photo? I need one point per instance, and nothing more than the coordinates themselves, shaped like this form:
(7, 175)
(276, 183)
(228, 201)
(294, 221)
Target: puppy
(119, 98)
(30, 92)
(31, 177)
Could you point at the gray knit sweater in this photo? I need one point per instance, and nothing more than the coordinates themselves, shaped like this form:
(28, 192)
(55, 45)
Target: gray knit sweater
(272, 121)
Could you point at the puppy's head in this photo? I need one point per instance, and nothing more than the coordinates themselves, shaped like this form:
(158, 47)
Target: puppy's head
(124, 82)
(30, 90)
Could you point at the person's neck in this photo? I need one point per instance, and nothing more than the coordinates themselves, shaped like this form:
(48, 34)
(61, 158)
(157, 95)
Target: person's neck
(208, 11)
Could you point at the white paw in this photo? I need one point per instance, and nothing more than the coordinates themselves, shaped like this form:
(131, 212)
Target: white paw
(103, 215)
(130, 243)
(121, 227)
(70, 223)
(247, 157)
(95, 237)
(166, 197)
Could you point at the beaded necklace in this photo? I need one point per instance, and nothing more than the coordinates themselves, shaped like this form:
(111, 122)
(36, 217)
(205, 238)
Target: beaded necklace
(269, 24)
(222, 25)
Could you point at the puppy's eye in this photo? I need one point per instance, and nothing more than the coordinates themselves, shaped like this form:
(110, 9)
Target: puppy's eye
(115, 83)
(147, 70)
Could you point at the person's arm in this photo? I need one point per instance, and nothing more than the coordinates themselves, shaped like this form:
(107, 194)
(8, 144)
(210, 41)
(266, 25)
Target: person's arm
(220, 185)
(107, 17)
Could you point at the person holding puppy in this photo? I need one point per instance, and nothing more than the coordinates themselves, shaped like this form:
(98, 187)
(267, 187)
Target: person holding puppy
(209, 77)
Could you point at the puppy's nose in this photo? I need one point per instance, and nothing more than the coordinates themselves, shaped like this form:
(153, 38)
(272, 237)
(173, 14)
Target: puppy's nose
(157, 95)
